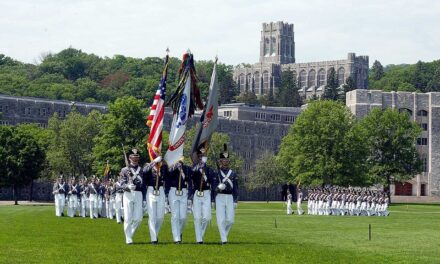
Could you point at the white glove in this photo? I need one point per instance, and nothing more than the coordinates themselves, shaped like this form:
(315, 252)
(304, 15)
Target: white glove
(235, 205)
(204, 159)
(158, 159)
(190, 203)
(144, 204)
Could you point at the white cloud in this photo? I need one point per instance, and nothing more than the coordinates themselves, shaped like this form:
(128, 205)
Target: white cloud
(390, 31)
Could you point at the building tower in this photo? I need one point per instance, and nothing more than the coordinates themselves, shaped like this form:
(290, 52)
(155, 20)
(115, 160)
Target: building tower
(277, 44)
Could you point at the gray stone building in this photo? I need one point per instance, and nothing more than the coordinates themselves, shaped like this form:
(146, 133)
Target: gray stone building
(423, 108)
(277, 54)
(18, 109)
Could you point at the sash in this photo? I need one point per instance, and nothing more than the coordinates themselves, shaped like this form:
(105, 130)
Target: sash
(136, 173)
(226, 178)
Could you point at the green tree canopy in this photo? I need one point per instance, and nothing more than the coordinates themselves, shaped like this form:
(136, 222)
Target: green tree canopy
(322, 147)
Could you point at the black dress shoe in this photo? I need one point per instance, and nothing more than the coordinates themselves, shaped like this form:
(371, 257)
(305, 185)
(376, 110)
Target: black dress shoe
(154, 242)
(178, 242)
(201, 242)
(224, 243)
(62, 214)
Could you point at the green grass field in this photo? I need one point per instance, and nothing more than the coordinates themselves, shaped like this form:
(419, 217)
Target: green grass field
(411, 234)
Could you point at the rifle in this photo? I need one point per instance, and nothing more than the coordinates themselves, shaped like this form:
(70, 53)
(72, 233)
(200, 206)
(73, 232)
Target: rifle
(127, 164)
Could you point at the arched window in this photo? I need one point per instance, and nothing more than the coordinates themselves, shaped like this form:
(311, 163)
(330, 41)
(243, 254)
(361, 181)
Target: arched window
(312, 76)
(242, 82)
(257, 82)
(249, 82)
(422, 113)
(302, 79)
(273, 46)
(295, 77)
(265, 82)
(321, 77)
(266, 46)
(341, 73)
(405, 110)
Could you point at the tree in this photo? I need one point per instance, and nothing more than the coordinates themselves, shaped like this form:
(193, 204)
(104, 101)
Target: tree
(247, 97)
(377, 70)
(287, 94)
(331, 89)
(420, 78)
(72, 142)
(434, 83)
(392, 154)
(349, 85)
(323, 147)
(22, 157)
(123, 124)
(266, 173)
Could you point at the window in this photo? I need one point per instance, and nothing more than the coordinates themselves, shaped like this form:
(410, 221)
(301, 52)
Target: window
(424, 126)
(249, 82)
(27, 110)
(1, 108)
(341, 73)
(242, 82)
(321, 77)
(422, 141)
(257, 82)
(42, 111)
(424, 164)
(302, 79)
(227, 113)
(312, 75)
(265, 82)
(275, 117)
(295, 76)
(422, 113)
(266, 46)
(290, 119)
(260, 116)
(4, 123)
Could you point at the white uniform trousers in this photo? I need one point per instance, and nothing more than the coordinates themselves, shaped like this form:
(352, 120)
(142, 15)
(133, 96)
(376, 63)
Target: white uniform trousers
(72, 205)
(156, 211)
(84, 202)
(118, 206)
(289, 207)
(101, 206)
(178, 205)
(132, 214)
(224, 209)
(60, 200)
(298, 207)
(93, 205)
(202, 213)
(110, 206)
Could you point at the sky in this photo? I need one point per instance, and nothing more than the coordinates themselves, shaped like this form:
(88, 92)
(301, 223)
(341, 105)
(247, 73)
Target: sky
(390, 31)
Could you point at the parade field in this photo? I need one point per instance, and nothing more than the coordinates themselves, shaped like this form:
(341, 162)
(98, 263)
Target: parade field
(262, 233)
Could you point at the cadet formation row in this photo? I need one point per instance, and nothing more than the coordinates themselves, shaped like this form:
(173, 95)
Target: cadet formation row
(343, 201)
(149, 188)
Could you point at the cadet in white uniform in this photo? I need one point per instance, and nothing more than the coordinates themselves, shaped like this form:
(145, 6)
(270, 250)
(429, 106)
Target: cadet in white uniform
(202, 180)
(178, 184)
(73, 196)
(59, 191)
(133, 183)
(299, 201)
(226, 196)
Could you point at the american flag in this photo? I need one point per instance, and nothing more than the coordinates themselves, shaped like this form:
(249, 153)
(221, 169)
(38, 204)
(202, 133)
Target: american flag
(155, 119)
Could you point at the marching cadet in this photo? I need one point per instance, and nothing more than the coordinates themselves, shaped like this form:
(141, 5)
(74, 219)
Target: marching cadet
(134, 199)
(155, 174)
(289, 203)
(226, 196)
(84, 197)
(111, 194)
(101, 199)
(118, 199)
(92, 191)
(73, 196)
(178, 184)
(202, 181)
(299, 201)
(59, 191)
